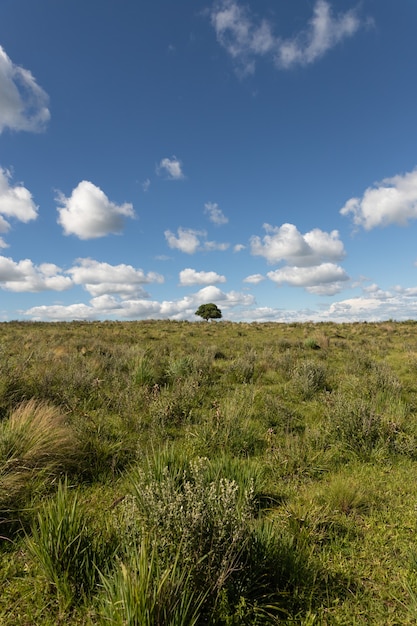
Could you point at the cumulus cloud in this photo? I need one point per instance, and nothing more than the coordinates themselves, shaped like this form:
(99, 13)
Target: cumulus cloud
(24, 276)
(286, 243)
(23, 104)
(190, 277)
(106, 306)
(238, 247)
(172, 168)
(391, 201)
(190, 240)
(324, 279)
(215, 214)
(15, 202)
(246, 40)
(89, 214)
(102, 278)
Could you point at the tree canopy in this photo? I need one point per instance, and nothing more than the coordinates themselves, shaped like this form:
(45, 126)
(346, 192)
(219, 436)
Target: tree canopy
(209, 311)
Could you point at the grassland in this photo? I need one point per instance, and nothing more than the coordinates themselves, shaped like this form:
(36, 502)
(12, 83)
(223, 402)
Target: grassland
(174, 473)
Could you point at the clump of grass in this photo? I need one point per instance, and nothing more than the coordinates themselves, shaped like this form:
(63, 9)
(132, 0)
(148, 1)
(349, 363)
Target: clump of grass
(64, 549)
(36, 445)
(309, 378)
(143, 590)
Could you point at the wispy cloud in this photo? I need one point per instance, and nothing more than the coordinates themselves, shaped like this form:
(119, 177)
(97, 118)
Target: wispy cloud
(392, 200)
(189, 277)
(190, 241)
(246, 40)
(172, 168)
(215, 214)
(89, 214)
(254, 279)
(23, 104)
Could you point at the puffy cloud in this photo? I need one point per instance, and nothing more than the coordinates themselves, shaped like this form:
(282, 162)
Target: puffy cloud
(106, 306)
(254, 279)
(187, 241)
(15, 202)
(102, 278)
(245, 40)
(190, 277)
(172, 168)
(324, 279)
(286, 243)
(23, 104)
(89, 214)
(238, 247)
(393, 200)
(215, 213)
(24, 276)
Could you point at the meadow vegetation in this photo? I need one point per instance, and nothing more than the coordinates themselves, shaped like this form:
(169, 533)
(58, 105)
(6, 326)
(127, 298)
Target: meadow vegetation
(175, 473)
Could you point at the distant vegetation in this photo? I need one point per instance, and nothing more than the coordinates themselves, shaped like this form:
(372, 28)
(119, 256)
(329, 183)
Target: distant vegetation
(209, 311)
(171, 473)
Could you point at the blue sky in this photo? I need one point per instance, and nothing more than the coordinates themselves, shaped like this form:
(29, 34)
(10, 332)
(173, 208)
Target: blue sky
(155, 156)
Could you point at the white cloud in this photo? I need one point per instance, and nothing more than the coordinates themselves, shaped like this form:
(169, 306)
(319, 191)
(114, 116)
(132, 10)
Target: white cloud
(215, 213)
(106, 306)
(212, 246)
(190, 277)
(238, 247)
(172, 168)
(24, 276)
(15, 202)
(254, 279)
(23, 104)
(146, 184)
(245, 40)
(102, 278)
(190, 240)
(88, 213)
(393, 200)
(187, 241)
(286, 243)
(324, 279)
(323, 33)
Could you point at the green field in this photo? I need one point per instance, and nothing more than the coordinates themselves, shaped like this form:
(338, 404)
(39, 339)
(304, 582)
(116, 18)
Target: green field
(176, 473)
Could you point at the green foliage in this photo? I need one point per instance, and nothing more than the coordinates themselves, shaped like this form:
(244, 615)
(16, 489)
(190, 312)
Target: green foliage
(36, 446)
(264, 476)
(64, 548)
(143, 591)
(209, 311)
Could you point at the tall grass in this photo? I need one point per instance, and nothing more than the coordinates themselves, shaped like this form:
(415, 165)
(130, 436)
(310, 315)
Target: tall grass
(143, 591)
(36, 446)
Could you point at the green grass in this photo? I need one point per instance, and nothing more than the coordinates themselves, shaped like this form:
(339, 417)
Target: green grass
(176, 473)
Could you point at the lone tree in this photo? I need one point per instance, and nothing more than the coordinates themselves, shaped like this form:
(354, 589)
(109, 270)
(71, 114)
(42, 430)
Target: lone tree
(209, 311)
